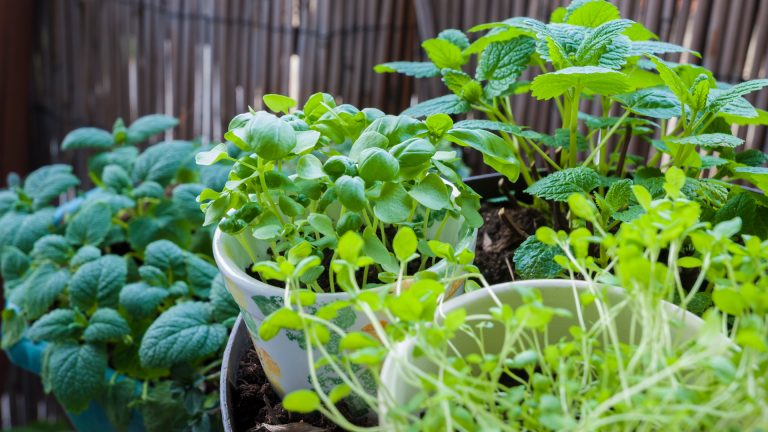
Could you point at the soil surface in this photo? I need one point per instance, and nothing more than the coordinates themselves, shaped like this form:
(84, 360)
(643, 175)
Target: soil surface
(505, 227)
(257, 408)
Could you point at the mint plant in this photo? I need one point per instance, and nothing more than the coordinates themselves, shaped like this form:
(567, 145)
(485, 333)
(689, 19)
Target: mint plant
(307, 177)
(591, 378)
(587, 51)
(121, 287)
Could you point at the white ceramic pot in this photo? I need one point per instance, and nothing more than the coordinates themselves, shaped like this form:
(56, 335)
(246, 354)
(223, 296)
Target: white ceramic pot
(284, 358)
(555, 293)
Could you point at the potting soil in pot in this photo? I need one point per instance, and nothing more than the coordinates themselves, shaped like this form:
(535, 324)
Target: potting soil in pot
(505, 227)
(258, 408)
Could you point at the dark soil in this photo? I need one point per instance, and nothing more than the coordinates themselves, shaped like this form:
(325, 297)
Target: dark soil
(505, 227)
(257, 408)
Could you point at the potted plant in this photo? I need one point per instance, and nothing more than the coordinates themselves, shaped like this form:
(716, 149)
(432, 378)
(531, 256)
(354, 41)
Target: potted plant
(306, 178)
(113, 298)
(588, 52)
(571, 354)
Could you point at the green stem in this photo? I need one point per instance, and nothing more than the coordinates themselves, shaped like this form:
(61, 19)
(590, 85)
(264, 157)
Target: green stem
(265, 189)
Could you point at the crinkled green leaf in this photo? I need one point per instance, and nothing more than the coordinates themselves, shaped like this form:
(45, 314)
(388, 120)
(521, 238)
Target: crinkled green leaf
(90, 225)
(161, 162)
(13, 263)
(183, 333)
(141, 300)
(145, 127)
(166, 256)
(535, 260)
(40, 289)
(448, 104)
(713, 140)
(52, 247)
(56, 326)
(48, 182)
(75, 373)
(106, 325)
(501, 63)
(88, 137)
(414, 69)
(560, 184)
(656, 102)
(98, 283)
(223, 304)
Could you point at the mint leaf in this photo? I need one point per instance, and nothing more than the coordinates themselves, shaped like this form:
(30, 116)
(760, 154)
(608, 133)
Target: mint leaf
(183, 333)
(754, 217)
(751, 157)
(593, 47)
(140, 299)
(730, 95)
(145, 127)
(454, 36)
(75, 373)
(53, 248)
(501, 63)
(448, 104)
(106, 325)
(713, 140)
(56, 326)
(594, 78)
(90, 225)
(161, 162)
(535, 260)
(88, 137)
(672, 80)
(98, 283)
(590, 13)
(618, 194)
(414, 69)
(487, 125)
(48, 182)
(638, 48)
(443, 53)
(656, 102)
(559, 185)
(462, 85)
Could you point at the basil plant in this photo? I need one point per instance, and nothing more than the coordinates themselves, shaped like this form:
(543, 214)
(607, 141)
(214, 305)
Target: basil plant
(588, 52)
(303, 179)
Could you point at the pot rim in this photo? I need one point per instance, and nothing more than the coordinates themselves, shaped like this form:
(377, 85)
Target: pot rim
(389, 371)
(242, 279)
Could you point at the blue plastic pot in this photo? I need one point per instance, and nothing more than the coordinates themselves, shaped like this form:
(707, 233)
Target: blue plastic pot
(29, 355)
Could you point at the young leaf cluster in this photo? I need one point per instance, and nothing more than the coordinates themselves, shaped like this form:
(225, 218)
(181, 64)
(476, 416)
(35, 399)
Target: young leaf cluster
(304, 179)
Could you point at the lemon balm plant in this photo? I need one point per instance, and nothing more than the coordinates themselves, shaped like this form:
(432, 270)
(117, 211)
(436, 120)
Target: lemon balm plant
(305, 178)
(588, 52)
(568, 355)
